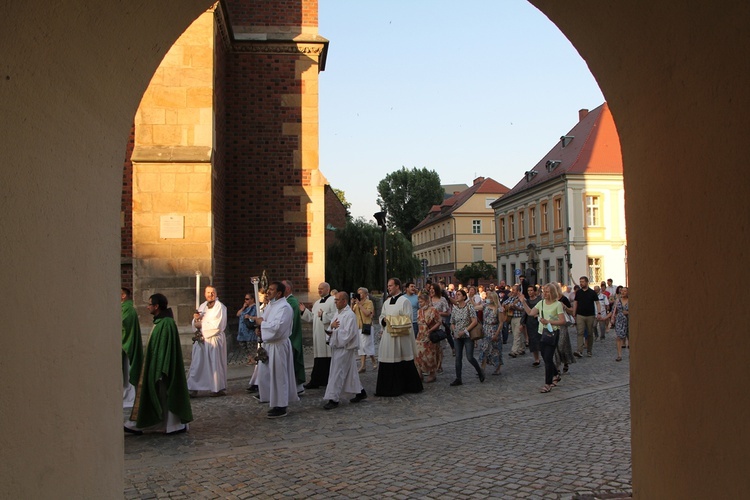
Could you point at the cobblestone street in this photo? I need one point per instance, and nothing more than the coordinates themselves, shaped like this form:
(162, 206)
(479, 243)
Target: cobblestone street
(499, 439)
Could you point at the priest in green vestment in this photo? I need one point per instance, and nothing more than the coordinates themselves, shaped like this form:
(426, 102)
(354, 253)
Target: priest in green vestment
(132, 343)
(296, 338)
(162, 400)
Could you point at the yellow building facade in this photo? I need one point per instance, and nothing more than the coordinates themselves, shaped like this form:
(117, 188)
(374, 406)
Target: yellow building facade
(459, 231)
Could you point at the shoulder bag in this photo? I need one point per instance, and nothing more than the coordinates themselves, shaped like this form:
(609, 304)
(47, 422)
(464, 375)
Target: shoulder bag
(549, 337)
(366, 327)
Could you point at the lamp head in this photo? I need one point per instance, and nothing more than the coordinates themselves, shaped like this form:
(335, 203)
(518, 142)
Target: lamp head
(380, 217)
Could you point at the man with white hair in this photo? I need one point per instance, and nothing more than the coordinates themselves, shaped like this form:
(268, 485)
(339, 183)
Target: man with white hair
(344, 343)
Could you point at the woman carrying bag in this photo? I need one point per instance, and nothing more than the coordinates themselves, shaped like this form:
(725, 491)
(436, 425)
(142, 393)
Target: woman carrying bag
(363, 310)
(551, 317)
(463, 319)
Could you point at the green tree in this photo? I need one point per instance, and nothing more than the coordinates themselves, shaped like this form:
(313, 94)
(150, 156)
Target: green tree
(355, 258)
(476, 271)
(342, 198)
(407, 196)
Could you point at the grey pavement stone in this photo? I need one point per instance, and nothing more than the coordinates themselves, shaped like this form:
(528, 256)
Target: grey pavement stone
(498, 439)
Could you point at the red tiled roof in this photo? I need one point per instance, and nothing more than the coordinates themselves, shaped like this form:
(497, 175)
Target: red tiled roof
(450, 205)
(595, 148)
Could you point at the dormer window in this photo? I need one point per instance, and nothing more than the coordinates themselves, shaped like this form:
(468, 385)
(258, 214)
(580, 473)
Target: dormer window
(530, 175)
(552, 164)
(565, 140)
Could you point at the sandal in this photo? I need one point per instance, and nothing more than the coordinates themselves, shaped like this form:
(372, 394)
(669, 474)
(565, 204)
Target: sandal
(618, 359)
(546, 389)
(557, 378)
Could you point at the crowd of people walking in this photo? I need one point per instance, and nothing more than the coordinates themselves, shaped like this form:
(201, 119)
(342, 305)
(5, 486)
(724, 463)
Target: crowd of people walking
(411, 332)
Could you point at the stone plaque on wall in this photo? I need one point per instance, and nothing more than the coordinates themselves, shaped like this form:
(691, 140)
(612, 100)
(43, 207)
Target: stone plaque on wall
(172, 226)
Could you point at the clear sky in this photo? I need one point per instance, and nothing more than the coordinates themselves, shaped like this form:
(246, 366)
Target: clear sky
(468, 89)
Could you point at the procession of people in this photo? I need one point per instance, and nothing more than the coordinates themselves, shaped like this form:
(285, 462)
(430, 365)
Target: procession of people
(347, 329)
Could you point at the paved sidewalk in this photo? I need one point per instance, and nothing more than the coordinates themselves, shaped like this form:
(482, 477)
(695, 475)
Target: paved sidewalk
(499, 439)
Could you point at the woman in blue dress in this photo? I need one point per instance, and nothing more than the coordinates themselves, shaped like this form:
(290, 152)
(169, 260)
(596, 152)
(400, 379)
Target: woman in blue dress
(246, 334)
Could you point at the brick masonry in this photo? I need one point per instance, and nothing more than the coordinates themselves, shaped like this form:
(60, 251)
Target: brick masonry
(267, 205)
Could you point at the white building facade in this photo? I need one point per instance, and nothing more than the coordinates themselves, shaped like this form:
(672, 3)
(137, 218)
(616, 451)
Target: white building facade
(566, 217)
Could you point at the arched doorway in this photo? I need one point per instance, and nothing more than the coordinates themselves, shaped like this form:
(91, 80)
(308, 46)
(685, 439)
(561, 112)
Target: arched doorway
(674, 79)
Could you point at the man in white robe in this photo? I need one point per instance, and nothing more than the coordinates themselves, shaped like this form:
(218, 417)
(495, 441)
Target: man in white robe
(275, 330)
(321, 316)
(397, 372)
(208, 367)
(344, 343)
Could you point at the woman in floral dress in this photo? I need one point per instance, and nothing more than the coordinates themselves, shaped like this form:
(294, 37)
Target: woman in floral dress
(491, 345)
(428, 320)
(620, 320)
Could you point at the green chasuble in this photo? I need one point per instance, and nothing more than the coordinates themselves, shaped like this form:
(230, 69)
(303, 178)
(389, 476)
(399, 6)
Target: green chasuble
(296, 338)
(132, 343)
(163, 365)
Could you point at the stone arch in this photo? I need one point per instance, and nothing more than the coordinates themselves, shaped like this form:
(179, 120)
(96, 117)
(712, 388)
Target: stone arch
(675, 78)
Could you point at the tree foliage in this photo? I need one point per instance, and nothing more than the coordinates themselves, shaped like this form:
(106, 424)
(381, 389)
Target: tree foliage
(355, 258)
(407, 196)
(342, 198)
(476, 271)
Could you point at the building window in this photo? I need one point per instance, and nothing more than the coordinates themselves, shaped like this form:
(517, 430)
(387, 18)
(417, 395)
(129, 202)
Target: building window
(521, 224)
(595, 269)
(503, 275)
(532, 221)
(477, 254)
(560, 271)
(545, 218)
(502, 229)
(546, 271)
(558, 214)
(512, 226)
(512, 273)
(476, 226)
(593, 211)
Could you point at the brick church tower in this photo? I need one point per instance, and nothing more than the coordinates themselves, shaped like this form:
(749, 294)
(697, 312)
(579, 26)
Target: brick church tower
(222, 171)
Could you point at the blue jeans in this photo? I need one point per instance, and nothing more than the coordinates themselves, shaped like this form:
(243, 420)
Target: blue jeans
(469, 345)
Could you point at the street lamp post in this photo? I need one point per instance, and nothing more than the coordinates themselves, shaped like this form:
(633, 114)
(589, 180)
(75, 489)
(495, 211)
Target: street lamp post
(380, 217)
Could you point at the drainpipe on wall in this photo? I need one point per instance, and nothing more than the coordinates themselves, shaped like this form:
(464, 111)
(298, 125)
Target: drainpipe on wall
(455, 249)
(568, 261)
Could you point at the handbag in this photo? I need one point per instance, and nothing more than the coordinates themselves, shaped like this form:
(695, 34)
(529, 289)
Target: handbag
(548, 337)
(366, 327)
(437, 336)
(476, 332)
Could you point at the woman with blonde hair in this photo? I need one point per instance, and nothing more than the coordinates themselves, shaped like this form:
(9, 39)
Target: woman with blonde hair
(363, 310)
(491, 345)
(550, 313)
